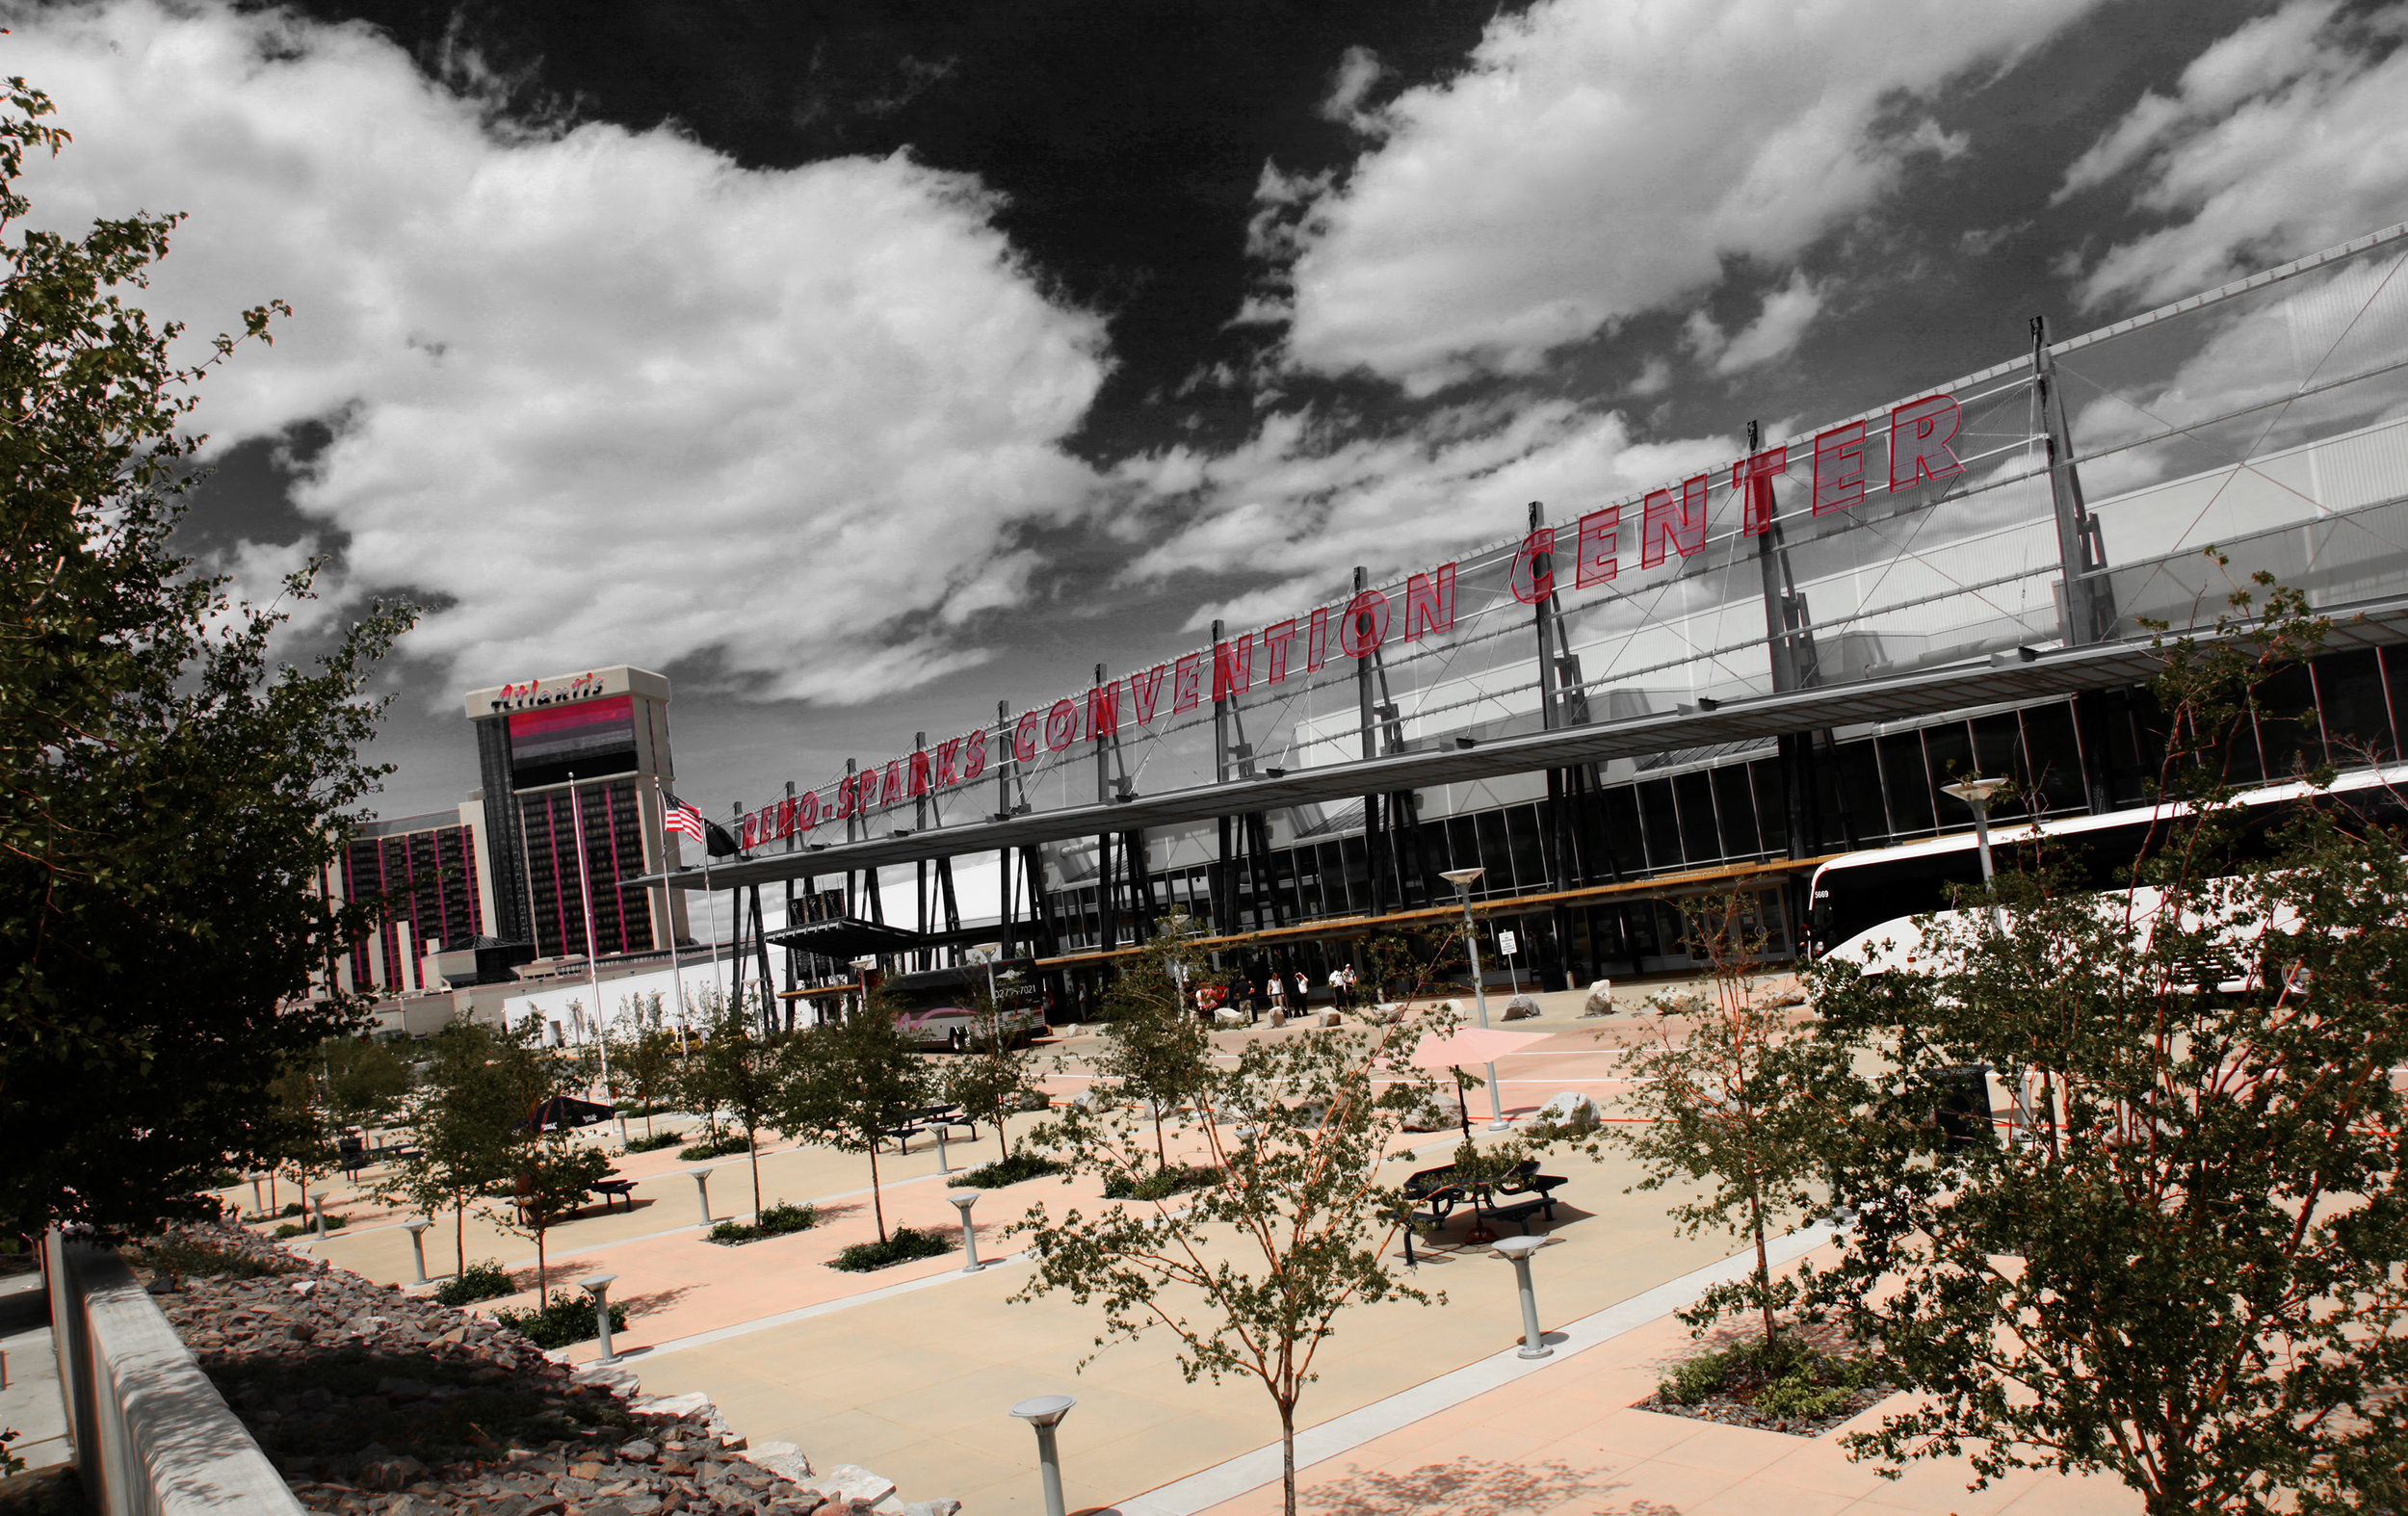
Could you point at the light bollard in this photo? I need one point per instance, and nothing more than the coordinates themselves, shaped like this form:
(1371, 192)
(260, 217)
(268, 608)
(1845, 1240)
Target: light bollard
(417, 1231)
(1518, 1251)
(701, 1177)
(258, 1204)
(942, 1166)
(962, 1200)
(1044, 1413)
(622, 1126)
(599, 1287)
(318, 1199)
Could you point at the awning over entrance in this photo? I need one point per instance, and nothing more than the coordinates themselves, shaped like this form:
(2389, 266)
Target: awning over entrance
(847, 938)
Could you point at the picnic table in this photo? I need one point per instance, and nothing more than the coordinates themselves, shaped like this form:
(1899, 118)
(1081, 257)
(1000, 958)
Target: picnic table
(1433, 1195)
(931, 1118)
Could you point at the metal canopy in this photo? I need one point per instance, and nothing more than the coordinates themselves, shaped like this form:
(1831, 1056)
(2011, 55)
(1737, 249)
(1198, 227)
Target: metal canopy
(848, 937)
(2001, 679)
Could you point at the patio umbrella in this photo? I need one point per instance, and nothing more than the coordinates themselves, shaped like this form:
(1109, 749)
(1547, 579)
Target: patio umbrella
(1470, 1045)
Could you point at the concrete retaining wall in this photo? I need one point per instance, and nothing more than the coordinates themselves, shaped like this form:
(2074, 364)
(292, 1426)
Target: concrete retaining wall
(152, 1436)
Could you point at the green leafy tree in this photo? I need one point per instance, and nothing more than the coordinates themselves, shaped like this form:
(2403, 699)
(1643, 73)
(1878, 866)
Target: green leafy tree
(849, 1082)
(647, 1063)
(1735, 1100)
(2186, 1272)
(365, 1081)
(1154, 1047)
(173, 791)
(1252, 1274)
(993, 1075)
(553, 1173)
(748, 1074)
(466, 1120)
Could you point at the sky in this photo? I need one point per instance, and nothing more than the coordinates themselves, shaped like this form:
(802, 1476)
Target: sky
(860, 365)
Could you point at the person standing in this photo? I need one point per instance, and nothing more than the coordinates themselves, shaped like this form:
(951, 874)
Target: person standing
(1338, 987)
(1303, 991)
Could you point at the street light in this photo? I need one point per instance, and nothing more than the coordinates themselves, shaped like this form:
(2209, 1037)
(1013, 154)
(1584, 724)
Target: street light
(417, 1231)
(1463, 879)
(962, 1200)
(599, 1287)
(1044, 1413)
(1976, 794)
(1517, 1251)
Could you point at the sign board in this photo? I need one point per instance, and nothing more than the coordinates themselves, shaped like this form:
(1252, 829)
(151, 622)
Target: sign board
(1507, 943)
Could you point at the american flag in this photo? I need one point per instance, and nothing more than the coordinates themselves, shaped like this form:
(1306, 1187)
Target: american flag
(678, 817)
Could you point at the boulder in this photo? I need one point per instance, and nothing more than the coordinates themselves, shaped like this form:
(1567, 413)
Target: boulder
(693, 1403)
(1327, 1018)
(1380, 1014)
(1600, 1001)
(783, 1459)
(940, 1508)
(1428, 1116)
(618, 1376)
(1570, 1111)
(1278, 1017)
(1521, 1008)
(849, 1481)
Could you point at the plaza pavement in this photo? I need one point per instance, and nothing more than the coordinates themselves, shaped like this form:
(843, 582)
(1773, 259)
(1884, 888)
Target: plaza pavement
(909, 1370)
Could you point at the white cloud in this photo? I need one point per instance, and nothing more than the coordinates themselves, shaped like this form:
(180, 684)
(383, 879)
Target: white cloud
(617, 397)
(1308, 505)
(1606, 157)
(2285, 137)
(1787, 313)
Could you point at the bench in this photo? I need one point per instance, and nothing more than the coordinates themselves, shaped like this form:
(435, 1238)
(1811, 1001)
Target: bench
(1441, 1190)
(623, 1189)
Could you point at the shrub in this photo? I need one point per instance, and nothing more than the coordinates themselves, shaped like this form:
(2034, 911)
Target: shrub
(655, 1142)
(1790, 1381)
(293, 1208)
(1009, 1171)
(334, 1223)
(901, 1246)
(561, 1321)
(485, 1279)
(1162, 1184)
(733, 1143)
(775, 1221)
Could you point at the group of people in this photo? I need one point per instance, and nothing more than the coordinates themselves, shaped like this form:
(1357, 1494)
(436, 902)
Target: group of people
(1249, 994)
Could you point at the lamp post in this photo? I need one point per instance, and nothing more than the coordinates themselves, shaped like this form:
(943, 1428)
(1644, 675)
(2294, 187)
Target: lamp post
(701, 1177)
(417, 1231)
(962, 1200)
(598, 1286)
(1976, 794)
(1517, 1251)
(1044, 1413)
(1463, 879)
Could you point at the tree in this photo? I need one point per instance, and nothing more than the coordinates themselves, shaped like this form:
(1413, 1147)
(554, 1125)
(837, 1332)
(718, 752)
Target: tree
(1737, 1101)
(849, 1082)
(2188, 1271)
(1155, 1049)
(365, 1081)
(648, 1064)
(553, 1173)
(747, 1075)
(1304, 1124)
(992, 1072)
(174, 792)
(465, 1121)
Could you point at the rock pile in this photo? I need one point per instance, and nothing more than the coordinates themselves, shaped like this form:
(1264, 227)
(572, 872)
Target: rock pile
(372, 1401)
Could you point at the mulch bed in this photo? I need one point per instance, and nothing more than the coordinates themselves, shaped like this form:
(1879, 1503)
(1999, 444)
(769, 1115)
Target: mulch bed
(1734, 1412)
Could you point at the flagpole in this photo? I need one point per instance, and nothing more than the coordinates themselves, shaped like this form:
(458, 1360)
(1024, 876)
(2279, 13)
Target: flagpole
(593, 949)
(668, 909)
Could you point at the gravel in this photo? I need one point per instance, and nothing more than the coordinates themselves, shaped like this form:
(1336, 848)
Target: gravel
(373, 1401)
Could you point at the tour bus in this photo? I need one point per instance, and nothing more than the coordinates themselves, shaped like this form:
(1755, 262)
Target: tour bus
(1867, 899)
(935, 1006)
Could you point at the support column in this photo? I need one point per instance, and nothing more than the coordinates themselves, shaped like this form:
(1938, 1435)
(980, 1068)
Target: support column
(2089, 603)
(1374, 839)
